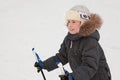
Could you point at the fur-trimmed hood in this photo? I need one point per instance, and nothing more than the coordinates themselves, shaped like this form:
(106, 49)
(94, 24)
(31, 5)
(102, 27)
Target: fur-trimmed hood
(91, 25)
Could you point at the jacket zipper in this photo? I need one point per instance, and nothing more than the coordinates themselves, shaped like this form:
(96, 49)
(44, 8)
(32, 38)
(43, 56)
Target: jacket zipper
(71, 44)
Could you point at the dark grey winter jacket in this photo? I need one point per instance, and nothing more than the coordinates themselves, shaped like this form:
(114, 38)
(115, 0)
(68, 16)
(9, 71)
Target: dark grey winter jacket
(85, 56)
(83, 52)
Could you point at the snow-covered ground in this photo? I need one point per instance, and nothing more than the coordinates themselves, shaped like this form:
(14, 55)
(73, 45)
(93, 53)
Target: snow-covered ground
(40, 23)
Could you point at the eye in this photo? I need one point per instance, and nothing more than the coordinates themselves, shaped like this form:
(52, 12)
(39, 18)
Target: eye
(68, 21)
(73, 21)
(84, 16)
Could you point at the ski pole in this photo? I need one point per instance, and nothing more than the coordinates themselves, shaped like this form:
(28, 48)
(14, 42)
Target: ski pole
(62, 70)
(39, 62)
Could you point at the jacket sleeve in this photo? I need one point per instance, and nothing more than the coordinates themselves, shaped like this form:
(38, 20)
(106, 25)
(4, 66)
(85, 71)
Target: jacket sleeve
(61, 56)
(90, 61)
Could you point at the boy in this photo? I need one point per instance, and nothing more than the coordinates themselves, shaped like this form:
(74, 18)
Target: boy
(81, 48)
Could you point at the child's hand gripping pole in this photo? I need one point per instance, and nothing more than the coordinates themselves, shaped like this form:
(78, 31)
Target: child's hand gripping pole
(64, 74)
(39, 62)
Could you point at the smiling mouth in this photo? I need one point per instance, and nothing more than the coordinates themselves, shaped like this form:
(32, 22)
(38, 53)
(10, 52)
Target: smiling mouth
(71, 29)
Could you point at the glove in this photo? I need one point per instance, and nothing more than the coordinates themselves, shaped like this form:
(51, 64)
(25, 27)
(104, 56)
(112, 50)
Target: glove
(64, 77)
(67, 76)
(38, 67)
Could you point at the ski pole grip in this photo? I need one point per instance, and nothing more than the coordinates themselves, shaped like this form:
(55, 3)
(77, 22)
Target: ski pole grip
(37, 58)
(59, 64)
(39, 62)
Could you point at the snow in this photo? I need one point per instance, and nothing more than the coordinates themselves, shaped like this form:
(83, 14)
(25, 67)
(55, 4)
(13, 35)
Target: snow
(25, 24)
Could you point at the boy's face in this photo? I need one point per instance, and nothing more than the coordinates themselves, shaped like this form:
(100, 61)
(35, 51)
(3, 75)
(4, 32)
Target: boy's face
(73, 26)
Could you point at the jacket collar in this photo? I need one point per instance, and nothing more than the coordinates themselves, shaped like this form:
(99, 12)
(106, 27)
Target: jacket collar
(73, 37)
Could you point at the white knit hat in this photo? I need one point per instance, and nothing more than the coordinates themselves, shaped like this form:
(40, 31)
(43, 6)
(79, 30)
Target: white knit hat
(78, 12)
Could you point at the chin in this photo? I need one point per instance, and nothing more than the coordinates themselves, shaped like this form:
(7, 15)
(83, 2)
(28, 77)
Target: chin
(73, 33)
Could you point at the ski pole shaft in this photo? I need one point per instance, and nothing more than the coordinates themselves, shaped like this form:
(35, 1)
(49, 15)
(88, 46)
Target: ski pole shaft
(39, 62)
(60, 66)
(43, 74)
